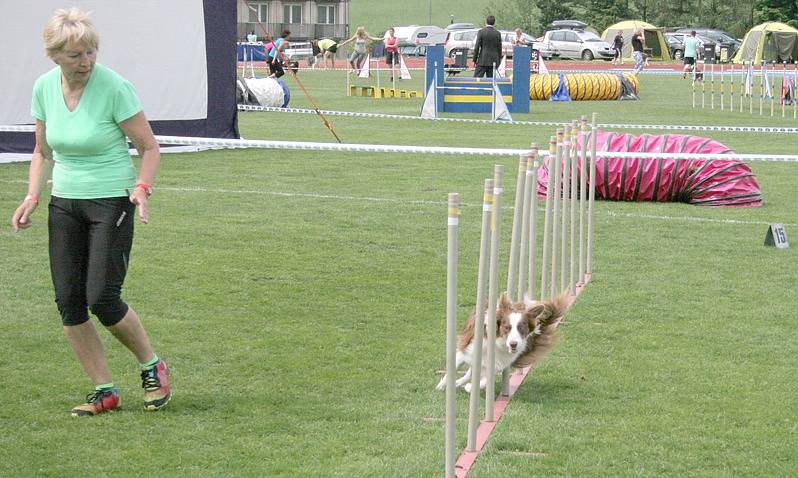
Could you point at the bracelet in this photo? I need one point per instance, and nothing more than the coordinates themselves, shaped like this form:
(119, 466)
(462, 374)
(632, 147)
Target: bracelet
(146, 188)
(32, 197)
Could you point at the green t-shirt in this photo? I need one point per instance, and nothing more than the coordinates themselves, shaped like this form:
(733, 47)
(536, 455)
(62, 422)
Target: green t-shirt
(89, 148)
(326, 43)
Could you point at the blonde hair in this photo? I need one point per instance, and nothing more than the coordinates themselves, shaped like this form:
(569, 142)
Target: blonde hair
(69, 26)
(360, 31)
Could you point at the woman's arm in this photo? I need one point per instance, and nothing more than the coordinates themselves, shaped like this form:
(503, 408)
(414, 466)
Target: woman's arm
(137, 128)
(347, 40)
(41, 167)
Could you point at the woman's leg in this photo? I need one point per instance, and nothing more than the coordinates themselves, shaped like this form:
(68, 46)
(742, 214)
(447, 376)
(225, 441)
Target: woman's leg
(130, 332)
(88, 347)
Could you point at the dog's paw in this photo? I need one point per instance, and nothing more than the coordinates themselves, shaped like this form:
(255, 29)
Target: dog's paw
(467, 387)
(441, 385)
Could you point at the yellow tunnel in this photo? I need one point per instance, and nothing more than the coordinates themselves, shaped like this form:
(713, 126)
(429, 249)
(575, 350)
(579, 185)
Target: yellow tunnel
(581, 86)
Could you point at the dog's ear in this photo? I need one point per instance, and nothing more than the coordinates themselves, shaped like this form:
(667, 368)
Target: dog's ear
(533, 311)
(503, 307)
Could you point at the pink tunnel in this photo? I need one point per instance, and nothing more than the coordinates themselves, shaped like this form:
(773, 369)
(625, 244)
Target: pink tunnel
(694, 181)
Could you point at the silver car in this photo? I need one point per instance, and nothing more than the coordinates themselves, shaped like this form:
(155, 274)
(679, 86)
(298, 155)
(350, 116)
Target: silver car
(579, 44)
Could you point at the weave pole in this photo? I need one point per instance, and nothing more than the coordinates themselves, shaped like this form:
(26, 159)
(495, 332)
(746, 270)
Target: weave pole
(546, 292)
(762, 87)
(451, 331)
(555, 221)
(731, 88)
(591, 198)
(712, 86)
(722, 87)
(566, 191)
(493, 287)
(583, 200)
(772, 88)
(751, 87)
(572, 255)
(479, 314)
(512, 264)
(524, 249)
(792, 94)
(534, 165)
(703, 88)
(781, 89)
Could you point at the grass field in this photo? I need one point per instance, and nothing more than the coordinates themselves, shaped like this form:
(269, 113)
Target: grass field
(299, 300)
(378, 16)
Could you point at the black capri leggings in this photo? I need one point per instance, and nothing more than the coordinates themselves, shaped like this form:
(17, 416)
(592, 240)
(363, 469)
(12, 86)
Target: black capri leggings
(90, 242)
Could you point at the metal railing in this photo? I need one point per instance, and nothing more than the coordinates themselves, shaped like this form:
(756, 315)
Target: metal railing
(299, 31)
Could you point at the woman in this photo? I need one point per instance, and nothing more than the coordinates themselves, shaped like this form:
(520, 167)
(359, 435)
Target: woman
(617, 45)
(358, 55)
(83, 112)
(638, 42)
(276, 55)
(391, 50)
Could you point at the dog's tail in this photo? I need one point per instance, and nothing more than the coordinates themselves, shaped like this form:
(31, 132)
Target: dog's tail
(546, 315)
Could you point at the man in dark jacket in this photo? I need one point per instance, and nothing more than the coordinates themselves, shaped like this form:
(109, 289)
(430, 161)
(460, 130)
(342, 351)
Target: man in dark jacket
(488, 49)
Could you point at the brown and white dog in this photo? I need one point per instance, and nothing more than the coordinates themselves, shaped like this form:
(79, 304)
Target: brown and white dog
(525, 333)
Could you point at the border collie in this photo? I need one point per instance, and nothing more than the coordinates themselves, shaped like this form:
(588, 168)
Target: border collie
(525, 333)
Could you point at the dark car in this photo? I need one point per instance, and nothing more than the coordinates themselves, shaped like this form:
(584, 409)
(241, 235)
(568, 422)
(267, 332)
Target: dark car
(675, 41)
(722, 40)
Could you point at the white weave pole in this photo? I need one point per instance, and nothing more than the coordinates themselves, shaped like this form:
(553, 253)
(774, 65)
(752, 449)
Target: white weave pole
(512, 264)
(545, 292)
(555, 215)
(451, 332)
(534, 164)
(572, 255)
(523, 260)
(772, 88)
(762, 86)
(781, 92)
(592, 196)
(583, 200)
(493, 288)
(566, 192)
(479, 314)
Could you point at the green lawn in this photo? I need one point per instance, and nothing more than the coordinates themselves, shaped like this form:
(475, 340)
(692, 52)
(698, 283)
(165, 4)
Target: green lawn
(299, 299)
(378, 16)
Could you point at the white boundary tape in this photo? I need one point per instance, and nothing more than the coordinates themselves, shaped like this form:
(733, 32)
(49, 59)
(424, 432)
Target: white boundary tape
(356, 114)
(421, 202)
(220, 143)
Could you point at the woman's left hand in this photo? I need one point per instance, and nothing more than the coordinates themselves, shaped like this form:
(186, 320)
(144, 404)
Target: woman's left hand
(139, 197)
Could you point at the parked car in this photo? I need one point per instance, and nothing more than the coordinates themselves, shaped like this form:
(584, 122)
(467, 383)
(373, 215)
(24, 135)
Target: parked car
(298, 50)
(575, 44)
(675, 41)
(408, 49)
(460, 26)
(720, 38)
(467, 39)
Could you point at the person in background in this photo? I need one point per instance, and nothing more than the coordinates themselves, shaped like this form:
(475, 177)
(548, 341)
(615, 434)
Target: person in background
(84, 111)
(638, 40)
(617, 45)
(276, 55)
(327, 49)
(518, 38)
(358, 55)
(391, 50)
(487, 49)
(690, 51)
(251, 37)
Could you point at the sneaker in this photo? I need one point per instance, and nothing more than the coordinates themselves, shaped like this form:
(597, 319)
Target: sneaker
(155, 382)
(98, 402)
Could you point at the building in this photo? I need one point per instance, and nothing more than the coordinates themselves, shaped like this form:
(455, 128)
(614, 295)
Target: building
(307, 20)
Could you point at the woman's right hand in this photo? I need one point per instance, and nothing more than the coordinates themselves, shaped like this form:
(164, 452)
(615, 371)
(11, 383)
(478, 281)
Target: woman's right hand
(21, 218)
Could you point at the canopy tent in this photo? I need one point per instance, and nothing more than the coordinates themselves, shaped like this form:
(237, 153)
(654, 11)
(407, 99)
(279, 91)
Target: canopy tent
(770, 41)
(655, 40)
(184, 71)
